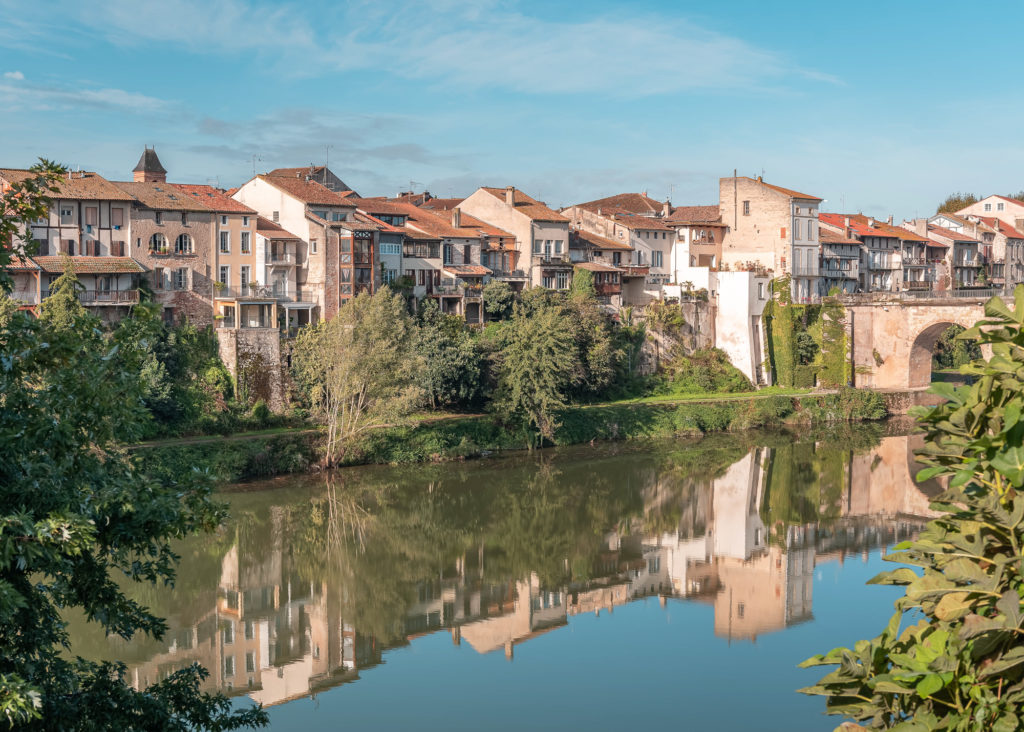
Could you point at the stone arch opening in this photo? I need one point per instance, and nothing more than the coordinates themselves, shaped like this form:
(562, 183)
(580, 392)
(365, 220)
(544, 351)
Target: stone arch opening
(923, 349)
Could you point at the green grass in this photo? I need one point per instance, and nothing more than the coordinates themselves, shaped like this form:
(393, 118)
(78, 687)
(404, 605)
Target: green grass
(709, 396)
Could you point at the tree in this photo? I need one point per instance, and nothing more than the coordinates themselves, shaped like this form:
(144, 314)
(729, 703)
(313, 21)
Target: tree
(62, 308)
(956, 201)
(804, 347)
(76, 512)
(450, 363)
(582, 283)
(536, 369)
(359, 369)
(498, 299)
(961, 666)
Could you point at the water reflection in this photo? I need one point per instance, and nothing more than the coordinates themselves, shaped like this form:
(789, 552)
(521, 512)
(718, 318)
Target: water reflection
(315, 580)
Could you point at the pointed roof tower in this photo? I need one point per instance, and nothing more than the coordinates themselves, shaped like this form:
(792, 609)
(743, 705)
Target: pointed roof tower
(149, 169)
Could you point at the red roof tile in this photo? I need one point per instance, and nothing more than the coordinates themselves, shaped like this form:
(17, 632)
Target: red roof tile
(214, 198)
(596, 267)
(950, 234)
(584, 239)
(73, 185)
(90, 265)
(529, 207)
(827, 236)
(1002, 227)
(695, 215)
(268, 229)
(306, 191)
(467, 270)
(862, 225)
(636, 203)
(162, 196)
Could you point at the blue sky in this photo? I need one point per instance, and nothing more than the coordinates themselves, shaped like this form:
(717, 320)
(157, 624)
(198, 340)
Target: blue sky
(877, 107)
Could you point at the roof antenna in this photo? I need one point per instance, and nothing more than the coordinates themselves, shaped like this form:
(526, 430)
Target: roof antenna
(255, 157)
(327, 155)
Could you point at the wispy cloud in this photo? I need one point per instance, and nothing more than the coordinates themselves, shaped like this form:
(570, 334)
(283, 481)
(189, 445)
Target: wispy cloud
(484, 45)
(14, 75)
(48, 97)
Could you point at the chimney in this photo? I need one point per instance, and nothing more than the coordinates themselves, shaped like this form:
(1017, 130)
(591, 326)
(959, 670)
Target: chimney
(846, 221)
(890, 219)
(666, 209)
(510, 196)
(760, 179)
(456, 218)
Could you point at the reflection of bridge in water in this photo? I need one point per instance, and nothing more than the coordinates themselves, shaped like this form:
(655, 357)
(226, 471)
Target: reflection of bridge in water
(745, 542)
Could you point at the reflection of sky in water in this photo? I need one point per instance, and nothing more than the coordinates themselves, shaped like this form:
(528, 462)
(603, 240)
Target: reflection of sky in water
(640, 665)
(680, 590)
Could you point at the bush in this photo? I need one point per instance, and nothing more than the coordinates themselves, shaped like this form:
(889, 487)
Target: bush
(705, 371)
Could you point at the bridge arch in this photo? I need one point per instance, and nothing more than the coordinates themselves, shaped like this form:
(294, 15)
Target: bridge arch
(923, 348)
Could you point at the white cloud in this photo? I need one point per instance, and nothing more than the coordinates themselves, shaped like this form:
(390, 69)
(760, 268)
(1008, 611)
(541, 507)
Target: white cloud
(14, 75)
(482, 45)
(41, 97)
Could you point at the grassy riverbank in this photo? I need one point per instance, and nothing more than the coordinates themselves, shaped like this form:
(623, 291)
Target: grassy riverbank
(260, 456)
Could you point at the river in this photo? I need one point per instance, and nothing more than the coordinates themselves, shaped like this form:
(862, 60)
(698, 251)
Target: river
(603, 587)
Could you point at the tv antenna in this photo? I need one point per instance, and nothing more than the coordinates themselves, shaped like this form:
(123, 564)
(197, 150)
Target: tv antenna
(256, 158)
(327, 155)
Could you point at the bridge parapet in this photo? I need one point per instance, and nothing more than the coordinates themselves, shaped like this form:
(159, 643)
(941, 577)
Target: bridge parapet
(912, 297)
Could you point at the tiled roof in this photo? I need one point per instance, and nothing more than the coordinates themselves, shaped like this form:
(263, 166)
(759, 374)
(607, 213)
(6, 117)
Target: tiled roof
(360, 222)
(529, 207)
(950, 234)
(419, 235)
(149, 163)
(467, 270)
(861, 225)
(90, 265)
(162, 196)
(827, 236)
(596, 267)
(954, 218)
(441, 204)
(74, 185)
(1014, 201)
(1002, 227)
(785, 191)
(307, 191)
(695, 215)
(383, 225)
(216, 199)
(637, 203)
(22, 265)
(580, 239)
(268, 229)
(379, 206)
(641, 223)
(472, 222)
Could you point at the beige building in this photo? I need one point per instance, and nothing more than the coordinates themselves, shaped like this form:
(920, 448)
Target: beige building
(771, 227)
(541, 234)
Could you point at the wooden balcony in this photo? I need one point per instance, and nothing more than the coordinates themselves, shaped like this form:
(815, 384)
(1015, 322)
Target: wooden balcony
(108, 297)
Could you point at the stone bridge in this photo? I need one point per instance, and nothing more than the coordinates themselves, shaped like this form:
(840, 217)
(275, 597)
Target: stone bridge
(892, 339)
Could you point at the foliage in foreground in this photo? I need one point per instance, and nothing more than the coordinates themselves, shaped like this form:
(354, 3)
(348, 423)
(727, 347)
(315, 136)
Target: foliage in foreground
(75, 515)
(961, 666)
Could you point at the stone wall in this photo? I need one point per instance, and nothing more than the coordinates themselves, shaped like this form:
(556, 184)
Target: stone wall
(698, 332)
(253, 356)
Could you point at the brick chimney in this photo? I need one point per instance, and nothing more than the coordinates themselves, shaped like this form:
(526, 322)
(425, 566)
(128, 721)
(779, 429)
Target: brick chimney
(666, 209)
(456, 218)
(510, 196)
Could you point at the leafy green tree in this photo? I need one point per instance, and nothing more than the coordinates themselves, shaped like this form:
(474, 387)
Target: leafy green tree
(450, 364)
(536, 369)
(596, 352)
(359, 369)
(961, 665)
(76, 515)
(952, 352)
(582, 283)
(498, 299)
(62, 308)
(956, 201)
(804, 347)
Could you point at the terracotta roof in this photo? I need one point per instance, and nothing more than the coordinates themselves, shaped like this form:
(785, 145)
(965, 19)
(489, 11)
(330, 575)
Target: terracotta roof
(695, 215)
(642, 223)
(22, 265)
(74, 185)
(861, 225)
(1009, 200)
(90, 265)
(268, 229)
(419, 235)
(596, 267)
(360, 222)
(383, 225)
(950, 234)
(379, 206)
(637, 203)
(467, 270)
(472, 222)
(216, 199)
(784, 191)
(307, 191)
(149, 163)
(162, 196)
(1002, 227)
(580, 239)
(827, 236)
(441, 204)
(527, 206)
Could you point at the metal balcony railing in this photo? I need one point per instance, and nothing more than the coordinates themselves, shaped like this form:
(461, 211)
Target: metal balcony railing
(105, 297)
(281, 258)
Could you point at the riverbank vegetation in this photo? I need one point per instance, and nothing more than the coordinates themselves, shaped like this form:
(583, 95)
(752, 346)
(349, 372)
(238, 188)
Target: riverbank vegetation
(951, 657)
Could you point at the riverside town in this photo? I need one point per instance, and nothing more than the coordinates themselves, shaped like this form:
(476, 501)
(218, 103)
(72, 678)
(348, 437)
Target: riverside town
(504, 365)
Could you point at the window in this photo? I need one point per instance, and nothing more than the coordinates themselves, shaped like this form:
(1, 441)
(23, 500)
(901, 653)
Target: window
(740, 609)
(117, 217)
(547, 281)
(536, 246)
(276, 216)
(447, 253)
(250, 662)
(796, 229)
(746, 208)
(760, 291)
(558, 246)
(159, 217)
(467, 254)
(250, 630)
(562, 279)
(988, 206)
(158, 278)
(66, 215)
(181, 278)
(245, 221)
(91, 214)
(999, 207)
(158, 243)
(184, 219)
(228, 634)
(225, 242)
(321, 214)
(338, 216)
(246, 249)
(243, 276)
(229, 665)
(183, 244)
(656, 259)
(224, 274)
(390, 275)
(547, 247)
(810, 230)
(223, 220)
(312, 246)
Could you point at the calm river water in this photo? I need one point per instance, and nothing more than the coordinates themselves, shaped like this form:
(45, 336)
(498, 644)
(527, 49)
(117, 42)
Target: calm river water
(607, 588)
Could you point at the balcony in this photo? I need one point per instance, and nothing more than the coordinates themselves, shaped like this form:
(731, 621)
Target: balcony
(293, 295)
(916, 285)
(635, 270)
(508, 274)
(968, 262)
(261, 292)
(915, 262)
(281, 258)
(552, 260)
(25, 297)
(104, 297)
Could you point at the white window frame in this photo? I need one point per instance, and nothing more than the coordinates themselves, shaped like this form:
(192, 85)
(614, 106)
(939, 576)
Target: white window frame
(225, 242)
(245, 245)
(225, 274)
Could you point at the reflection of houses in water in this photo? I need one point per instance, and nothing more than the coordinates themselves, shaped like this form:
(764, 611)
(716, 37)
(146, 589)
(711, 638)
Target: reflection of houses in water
(275, 638)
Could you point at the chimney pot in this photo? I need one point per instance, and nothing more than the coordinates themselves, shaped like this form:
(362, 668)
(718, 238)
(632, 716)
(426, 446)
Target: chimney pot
(456, 218)
(510, 196)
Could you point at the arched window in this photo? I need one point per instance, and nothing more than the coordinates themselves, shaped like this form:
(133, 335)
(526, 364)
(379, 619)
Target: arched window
(157, 243)
(183, 244)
